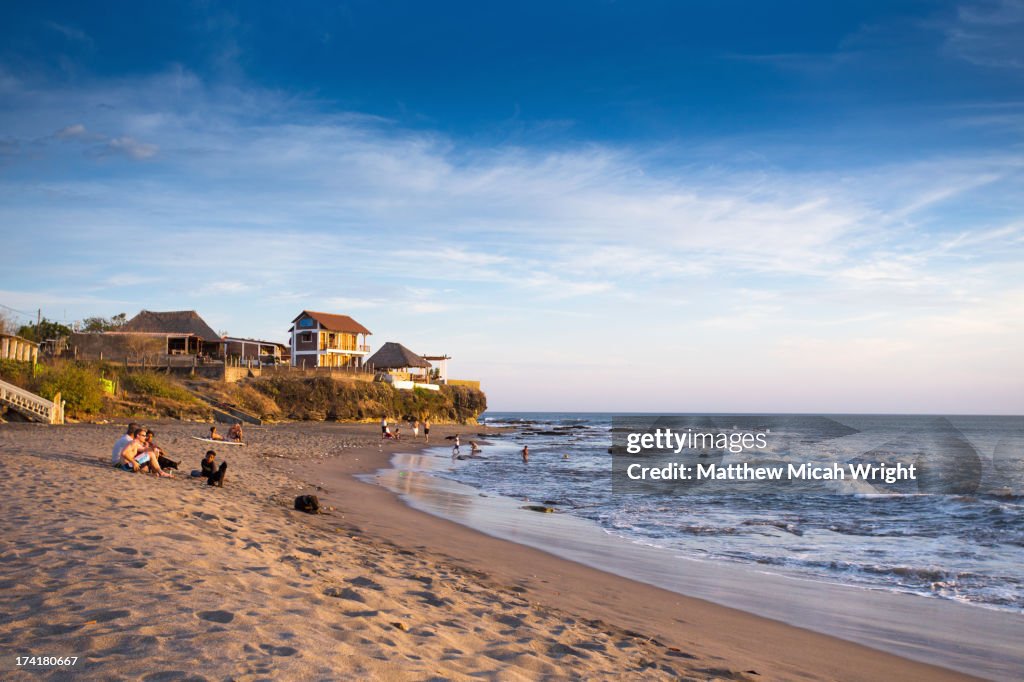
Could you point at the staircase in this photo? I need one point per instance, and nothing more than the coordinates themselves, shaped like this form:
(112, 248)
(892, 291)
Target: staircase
(32, 406)
(222, 412)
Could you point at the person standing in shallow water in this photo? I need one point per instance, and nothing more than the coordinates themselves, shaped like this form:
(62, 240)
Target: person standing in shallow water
(526, 454)
(426, 430)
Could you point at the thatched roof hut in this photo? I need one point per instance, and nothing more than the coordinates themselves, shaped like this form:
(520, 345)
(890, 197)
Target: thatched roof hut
(173, 322)
(396, 356)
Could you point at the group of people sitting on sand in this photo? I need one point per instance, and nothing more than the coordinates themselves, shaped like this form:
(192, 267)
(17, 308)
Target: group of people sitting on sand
(137, 451)
(234, 433)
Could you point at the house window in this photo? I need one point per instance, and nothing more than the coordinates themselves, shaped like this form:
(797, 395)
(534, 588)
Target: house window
(306, 337)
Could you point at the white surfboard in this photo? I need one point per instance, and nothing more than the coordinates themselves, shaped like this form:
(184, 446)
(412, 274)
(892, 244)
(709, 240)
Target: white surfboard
(218, 442)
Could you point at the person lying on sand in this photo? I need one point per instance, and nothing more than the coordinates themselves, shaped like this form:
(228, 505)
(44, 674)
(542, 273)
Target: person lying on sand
(214, 435)
(235, 433)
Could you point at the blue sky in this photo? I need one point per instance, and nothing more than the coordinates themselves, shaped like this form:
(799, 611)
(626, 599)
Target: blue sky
(643, 206)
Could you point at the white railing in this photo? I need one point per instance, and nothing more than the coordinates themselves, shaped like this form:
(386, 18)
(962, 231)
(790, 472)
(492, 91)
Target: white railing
(31, 405)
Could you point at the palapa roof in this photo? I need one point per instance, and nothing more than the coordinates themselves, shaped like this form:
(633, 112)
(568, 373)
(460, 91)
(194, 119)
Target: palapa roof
(395, 356)
(334, 323)
(173, 322)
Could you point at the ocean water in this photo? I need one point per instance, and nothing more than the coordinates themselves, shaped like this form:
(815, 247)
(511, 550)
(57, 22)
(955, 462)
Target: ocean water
(964, 545)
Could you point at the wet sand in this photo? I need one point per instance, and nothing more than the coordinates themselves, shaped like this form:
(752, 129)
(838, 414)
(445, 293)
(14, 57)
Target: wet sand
(170, 579)
(965, 637)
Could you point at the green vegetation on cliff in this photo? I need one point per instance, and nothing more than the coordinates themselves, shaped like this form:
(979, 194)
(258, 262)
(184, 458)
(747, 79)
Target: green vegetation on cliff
(84, 387)
(322, 398)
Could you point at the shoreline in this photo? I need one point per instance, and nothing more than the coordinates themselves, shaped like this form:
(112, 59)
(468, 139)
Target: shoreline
(965, 637)
(789, 651)
(140, 576)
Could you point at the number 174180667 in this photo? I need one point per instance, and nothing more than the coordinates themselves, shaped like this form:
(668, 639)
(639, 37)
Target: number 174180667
(45, 661)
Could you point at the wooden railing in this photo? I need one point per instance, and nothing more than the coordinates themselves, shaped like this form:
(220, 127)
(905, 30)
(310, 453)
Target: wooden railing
(32, 406)
(345, 347)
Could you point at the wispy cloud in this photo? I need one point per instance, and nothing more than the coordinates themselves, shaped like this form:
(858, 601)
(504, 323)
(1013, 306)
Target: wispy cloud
(131, 147)
(71, 132)
(70, 32)
(419, 232)
(988, 33)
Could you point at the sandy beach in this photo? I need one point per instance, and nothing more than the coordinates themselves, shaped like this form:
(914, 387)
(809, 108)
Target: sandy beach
(168, 579)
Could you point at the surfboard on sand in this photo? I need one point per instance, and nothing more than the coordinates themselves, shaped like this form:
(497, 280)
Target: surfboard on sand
(218, 442)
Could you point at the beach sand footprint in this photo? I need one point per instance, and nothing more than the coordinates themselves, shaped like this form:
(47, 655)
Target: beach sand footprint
(361, 581)
(345, 593)
(216, 616)
(173, 676)
(279, 650)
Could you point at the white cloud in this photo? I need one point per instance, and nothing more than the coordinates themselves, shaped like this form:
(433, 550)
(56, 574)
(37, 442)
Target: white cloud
(227, 287)
(70, 32)
(988, 33)
(71, 131)
(132, 147)
(289, 208)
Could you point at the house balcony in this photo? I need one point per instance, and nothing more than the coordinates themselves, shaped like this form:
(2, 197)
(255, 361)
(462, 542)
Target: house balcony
(351, 349)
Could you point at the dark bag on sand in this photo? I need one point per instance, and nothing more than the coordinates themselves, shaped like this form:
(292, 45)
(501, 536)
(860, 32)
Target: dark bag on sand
(307, 503)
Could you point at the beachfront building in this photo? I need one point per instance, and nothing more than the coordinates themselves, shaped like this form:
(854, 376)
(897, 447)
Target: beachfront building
(328, 340)
(402, 368)
(264, 352)
(152, 334)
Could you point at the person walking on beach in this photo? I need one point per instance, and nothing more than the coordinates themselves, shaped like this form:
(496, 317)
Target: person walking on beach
(455, 450)
(383, 428)
(416, 429)
(526, 454)
(426, 430)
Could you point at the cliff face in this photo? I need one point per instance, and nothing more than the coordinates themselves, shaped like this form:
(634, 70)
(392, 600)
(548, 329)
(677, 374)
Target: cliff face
(322, 398)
